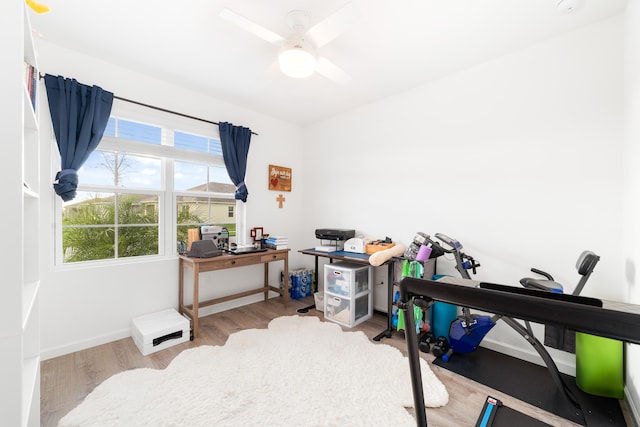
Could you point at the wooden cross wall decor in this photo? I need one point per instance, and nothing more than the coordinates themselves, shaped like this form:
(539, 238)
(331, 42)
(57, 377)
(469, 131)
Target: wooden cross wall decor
(280, 200)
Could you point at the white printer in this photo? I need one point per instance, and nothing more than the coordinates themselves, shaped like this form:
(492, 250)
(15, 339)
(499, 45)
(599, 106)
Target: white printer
(355, 244)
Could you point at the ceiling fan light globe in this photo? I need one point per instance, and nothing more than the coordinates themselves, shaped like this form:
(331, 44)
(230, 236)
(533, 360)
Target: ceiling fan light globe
(297, 62)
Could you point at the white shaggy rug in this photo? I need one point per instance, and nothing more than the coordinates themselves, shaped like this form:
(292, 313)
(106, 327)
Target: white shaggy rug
(298, 372)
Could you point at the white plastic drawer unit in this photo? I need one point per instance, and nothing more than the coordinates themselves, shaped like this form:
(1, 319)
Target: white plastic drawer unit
(348, 312)
(157, 331)
(348, 299)
(348, 279)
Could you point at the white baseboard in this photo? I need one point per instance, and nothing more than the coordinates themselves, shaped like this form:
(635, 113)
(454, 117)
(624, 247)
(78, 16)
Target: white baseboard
(635, 411)
(49, 353)
(235, 303)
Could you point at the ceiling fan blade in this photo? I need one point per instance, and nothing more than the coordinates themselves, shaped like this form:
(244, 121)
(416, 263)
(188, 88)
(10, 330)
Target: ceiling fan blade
(252, 27)
(332, 26)
(331, 71)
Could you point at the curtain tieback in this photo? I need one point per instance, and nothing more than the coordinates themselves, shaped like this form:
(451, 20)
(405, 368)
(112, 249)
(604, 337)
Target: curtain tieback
(241, 192)
(67, 183)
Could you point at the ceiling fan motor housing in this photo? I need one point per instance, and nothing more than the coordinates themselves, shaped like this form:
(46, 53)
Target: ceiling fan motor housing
(297, 59)
(298, 21)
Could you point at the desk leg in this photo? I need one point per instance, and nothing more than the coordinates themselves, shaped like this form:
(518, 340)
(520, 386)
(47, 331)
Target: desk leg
(387, 332)
(196, 277)
(390, 278)
(180, 285)
(266, 281)
(314, 288)
(286, 281)
(315, 278)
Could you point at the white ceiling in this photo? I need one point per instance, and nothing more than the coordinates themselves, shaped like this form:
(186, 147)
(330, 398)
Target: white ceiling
(390, 46)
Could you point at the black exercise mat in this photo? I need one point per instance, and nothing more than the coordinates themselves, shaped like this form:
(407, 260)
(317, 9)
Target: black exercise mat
(532, 383)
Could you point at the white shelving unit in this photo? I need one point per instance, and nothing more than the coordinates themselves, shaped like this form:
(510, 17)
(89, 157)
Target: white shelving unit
(20, 289)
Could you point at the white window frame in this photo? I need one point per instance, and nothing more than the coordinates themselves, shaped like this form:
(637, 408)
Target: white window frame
(167, 197)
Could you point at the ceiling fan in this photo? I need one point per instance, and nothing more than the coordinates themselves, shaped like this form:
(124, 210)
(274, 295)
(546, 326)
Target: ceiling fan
(297, 56)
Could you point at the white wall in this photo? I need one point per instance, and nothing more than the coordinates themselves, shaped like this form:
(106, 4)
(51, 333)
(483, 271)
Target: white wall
(519, 158)
(632, 187)
(84, 307)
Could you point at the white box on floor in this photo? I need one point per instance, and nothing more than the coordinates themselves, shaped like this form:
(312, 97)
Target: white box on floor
(318, 298)
(157, 331)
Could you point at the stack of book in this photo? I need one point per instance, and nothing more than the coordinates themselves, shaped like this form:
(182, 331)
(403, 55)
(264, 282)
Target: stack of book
(31, 82)
(277, 242)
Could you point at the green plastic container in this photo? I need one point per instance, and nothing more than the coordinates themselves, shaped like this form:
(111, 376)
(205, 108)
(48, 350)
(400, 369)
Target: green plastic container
(600, 366)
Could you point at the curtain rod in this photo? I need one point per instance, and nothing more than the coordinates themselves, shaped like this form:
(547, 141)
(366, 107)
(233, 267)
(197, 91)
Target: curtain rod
(171, 112)
(163, 109)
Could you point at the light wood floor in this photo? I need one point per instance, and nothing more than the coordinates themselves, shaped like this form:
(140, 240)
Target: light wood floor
(67, 380)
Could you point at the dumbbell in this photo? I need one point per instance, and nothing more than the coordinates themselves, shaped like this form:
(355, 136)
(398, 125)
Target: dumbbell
(440, 347)
(424, 344)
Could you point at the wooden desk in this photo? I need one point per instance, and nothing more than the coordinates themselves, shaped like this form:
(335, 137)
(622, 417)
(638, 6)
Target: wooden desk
(201, 265)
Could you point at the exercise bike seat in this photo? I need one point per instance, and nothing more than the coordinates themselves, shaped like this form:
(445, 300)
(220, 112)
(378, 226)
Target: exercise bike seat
(585, 265)
(560, 337)
(541, 284)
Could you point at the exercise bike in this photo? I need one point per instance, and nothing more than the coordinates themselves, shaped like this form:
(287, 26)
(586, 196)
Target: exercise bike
(468, 330)
(554, 336)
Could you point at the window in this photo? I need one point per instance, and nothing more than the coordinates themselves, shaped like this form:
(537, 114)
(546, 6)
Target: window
(153, 177)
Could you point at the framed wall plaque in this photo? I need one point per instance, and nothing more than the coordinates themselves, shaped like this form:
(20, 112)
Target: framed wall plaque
(279, 178)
